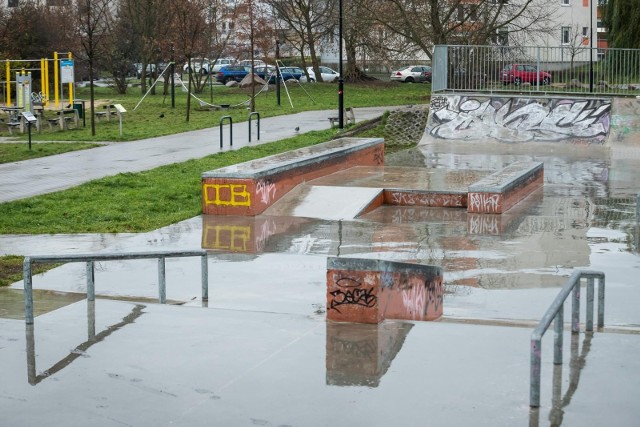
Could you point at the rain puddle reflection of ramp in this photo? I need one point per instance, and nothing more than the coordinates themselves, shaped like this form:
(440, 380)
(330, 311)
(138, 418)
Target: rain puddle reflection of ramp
(12, 302)
(324, 202)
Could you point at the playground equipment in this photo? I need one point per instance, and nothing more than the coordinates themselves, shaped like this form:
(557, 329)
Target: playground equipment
(22, 70)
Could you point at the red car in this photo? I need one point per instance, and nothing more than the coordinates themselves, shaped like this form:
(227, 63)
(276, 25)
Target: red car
(524, 73)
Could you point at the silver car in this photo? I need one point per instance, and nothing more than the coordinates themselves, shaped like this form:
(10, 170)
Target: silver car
(412, 73)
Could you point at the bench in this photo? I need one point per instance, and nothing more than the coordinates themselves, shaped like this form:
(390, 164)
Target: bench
(101, 115)
(251, 187)
(65, 117)
(349, 117)
(369, 290)
(13, 125)
(498, 192)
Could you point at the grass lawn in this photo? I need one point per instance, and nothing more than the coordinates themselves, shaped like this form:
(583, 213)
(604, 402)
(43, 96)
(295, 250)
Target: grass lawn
(155, 117)
(13, 152)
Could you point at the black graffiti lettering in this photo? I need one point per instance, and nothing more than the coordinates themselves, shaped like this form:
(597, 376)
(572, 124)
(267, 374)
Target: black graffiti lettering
(354, 296)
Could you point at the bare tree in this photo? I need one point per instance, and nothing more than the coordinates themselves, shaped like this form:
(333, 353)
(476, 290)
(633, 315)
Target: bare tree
(306, 22)
(92, 18)
(188, 26)
(148, 21)
(430, 22)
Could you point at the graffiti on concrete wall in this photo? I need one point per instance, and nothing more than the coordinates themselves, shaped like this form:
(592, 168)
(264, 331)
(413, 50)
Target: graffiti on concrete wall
(351, 292)
(266, 190)
(420, 296)
(519, 119)
(425, 199)
(226, 194)
(484, 202)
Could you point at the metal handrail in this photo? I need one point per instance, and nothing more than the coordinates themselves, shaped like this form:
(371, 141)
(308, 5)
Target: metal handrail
(556, 311)
(91, 258)
(222, 119)
(254, 113)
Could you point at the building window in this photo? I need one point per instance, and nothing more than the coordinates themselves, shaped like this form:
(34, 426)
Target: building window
(565, 2)
(12, 3)
(566, 35)
(585, 31)
(501, 38)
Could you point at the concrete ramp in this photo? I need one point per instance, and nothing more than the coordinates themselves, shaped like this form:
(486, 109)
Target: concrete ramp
(518, 119)
(327, 202)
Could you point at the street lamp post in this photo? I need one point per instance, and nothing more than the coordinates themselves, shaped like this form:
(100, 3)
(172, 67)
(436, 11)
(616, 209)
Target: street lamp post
(341, 78)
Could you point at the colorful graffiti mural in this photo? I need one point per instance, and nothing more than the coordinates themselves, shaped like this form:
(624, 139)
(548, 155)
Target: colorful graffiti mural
(519, 119)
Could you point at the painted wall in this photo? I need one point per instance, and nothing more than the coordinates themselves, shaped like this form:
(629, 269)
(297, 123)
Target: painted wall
(518, 119)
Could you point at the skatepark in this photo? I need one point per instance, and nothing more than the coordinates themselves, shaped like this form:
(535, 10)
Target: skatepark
(260, 350)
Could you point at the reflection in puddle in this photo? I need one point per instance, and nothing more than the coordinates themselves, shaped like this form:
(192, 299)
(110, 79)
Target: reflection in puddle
(359, 354)
(81, 348)
(12, 302)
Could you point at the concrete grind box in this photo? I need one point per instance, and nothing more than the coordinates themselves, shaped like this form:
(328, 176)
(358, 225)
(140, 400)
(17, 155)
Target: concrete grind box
(369, 291)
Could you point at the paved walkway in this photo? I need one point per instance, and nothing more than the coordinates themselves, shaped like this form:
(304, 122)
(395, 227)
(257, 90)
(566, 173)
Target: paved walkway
(54, 173)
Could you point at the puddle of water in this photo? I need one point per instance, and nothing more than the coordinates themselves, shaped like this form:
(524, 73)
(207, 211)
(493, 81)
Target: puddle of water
(12, 302)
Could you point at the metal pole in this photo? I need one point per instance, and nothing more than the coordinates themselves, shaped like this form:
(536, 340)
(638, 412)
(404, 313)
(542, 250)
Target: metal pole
(591, 47)
(590, 298)
(162, 281)
(534, 387)
(204, 268)
(91, 286)
(28, 290)
(575, 308)
(277, 72)
(341, 78)
(601, 302)
(173, 74)
(29, 130)
(558, 335)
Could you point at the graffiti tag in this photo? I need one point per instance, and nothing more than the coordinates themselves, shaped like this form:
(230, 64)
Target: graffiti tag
(266, 191)
(352, 294)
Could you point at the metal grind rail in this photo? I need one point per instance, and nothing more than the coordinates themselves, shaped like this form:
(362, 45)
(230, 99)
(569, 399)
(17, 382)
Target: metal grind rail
(90, 259)
(556, 312)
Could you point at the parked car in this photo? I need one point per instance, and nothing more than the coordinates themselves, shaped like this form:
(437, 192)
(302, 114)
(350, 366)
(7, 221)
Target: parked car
(150, 69)
(256, 63)
(219, 63)
(412, 73)
(523, 73)
(232, 72)
(328, 75)
(264, 72)
(200, 65)
(290, 73)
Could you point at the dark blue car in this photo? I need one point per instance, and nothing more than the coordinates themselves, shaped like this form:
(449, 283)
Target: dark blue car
(232, 72)
(287, 73)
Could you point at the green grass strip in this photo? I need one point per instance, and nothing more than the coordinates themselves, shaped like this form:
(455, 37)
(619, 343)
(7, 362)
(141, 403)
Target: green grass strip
(13, 152)
(134, 202)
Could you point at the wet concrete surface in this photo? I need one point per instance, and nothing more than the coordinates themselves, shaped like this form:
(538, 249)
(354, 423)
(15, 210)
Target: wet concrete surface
(260, 352)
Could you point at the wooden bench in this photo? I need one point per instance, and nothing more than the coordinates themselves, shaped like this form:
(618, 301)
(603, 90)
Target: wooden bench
(251, 187)
(349, 118)
(101, 115)
(369, 290)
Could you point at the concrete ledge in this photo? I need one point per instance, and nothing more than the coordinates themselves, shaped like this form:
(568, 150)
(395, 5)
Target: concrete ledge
(500, 191)
(249, 188)
(369, 291)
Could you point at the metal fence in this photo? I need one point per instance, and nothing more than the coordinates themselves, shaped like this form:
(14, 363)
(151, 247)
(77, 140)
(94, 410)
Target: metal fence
(568, 69)
(556, 312)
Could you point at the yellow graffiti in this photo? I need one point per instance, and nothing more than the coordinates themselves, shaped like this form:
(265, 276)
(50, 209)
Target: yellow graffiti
(238, 195)
(227, 237)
